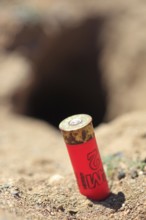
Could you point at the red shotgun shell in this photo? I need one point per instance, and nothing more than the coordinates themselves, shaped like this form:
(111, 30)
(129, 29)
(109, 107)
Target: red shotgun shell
(81, 144)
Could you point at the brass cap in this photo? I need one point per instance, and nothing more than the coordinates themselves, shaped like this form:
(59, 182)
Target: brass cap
(77, 129)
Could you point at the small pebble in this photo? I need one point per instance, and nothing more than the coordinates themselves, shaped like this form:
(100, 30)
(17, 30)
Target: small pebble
(72, 212)
(121, 174)
(61, 208)
(15, 193)
(134, 174)
(52, 213)
(55, 178)
(6, 185)
(123, 207)
(90, 204)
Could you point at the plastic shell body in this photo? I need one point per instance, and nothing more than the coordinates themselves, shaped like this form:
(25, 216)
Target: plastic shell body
(85, 157)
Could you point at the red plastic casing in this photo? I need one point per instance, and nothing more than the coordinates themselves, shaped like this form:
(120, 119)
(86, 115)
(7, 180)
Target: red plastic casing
(88, 169)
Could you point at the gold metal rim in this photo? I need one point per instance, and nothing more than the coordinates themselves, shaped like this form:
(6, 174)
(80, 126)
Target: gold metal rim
(77, 129)
(75, 122)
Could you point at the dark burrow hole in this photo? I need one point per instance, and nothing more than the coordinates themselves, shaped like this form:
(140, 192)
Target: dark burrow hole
(66, 74)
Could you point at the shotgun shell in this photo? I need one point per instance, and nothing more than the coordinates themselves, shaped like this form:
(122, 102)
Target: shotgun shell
(81, 144)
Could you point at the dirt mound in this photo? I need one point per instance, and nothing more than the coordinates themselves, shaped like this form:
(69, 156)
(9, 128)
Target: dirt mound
(84, 57)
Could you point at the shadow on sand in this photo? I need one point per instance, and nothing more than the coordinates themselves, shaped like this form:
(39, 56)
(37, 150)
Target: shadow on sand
(114, 201)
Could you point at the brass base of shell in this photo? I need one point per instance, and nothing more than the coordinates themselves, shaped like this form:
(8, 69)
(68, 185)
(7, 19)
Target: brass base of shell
(77, 133)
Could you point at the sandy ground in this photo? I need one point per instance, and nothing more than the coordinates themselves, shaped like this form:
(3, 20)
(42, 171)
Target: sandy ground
(37, 181)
